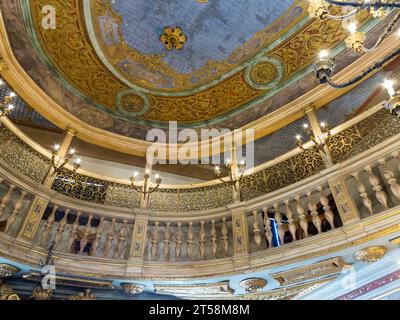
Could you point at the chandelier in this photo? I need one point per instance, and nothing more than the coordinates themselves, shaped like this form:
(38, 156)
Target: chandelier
(320, 9)
(319, 141)
(232, 176)
(145, 188)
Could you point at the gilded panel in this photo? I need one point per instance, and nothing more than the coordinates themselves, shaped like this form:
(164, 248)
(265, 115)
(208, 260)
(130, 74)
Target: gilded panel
(21, 157)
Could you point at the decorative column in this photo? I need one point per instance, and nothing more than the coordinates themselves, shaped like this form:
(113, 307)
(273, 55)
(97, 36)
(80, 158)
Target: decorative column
(39, 205)
(316, 129)
(139, 238)
(240, 232)
(347, 209)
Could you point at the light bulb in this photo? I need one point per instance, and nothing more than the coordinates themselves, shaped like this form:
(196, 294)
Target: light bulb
(57, 147)
(12, 94)
(157, 176)
(305, 126)
(217, 168)
(147, 171)
(298, 137)
(78, 161)
(228, 161)
(242, 163)
(352, 27)
(72, 151)
(323, 124)
(10, 107)
(135, 174)
(324, 54)
(388, 84)
(1, 82)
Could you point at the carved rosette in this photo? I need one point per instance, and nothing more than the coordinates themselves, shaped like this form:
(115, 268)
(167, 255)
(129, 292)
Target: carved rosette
(7, 270)
(371, 254)
(133, 288)
(264, 73)
(253, 285)
(88, 295)
(173, 38)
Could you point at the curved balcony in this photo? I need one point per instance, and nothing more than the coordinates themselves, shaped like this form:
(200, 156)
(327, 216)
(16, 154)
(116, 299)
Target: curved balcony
(306, 209)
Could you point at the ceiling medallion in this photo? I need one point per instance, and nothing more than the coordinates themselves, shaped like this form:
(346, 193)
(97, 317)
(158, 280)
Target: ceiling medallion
(7, 270)
(173, 37)
(132, 103)
(264, 73)
(253, 285)
(371, 254)
(132, 288)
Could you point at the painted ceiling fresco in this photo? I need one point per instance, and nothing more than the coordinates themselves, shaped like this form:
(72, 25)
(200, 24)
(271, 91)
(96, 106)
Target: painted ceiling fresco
(218, 37)
(256, 63)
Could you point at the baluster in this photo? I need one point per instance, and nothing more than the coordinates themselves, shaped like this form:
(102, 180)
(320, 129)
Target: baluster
(390, 178)
(327, 208)
(225, 239)
(363, 192)
(279, 224)
(289, 215)
(17, 207)
(256, 230)
(302, 215)
(74, 231)
(49, 224)
(202, 240)
(110, 238)
(314, 213)
(154, 241)
(6, 199)
(97, 239)
(213, 239)
(167, 239)
(86, 234)
(374, 181)
(121, 245)
(267, 228)
(178, 242)
(61, 228)
(189, 241)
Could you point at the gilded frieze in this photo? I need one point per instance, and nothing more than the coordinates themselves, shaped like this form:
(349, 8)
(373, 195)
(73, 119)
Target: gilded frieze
(196, 290)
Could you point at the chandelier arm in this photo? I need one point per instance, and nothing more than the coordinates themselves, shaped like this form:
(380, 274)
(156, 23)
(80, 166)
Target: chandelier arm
(377, 4)
(366, 72)
(386, 33)
(346, 16)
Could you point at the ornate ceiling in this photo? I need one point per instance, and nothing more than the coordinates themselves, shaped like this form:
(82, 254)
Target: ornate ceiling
(105, 63)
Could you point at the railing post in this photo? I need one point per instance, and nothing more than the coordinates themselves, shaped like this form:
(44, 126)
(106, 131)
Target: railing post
(241, 245)
(347, 209)
(39, 205)
(139, 238)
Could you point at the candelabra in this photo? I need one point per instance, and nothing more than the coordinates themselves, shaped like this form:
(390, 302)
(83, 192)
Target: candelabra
(393, 102)
(356, 39)
(55, 160)
(233, 178)
(319, 142)
(145, 188)
(6, 105)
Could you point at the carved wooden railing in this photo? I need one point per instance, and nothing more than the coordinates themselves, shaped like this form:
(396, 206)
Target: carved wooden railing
(351, 189)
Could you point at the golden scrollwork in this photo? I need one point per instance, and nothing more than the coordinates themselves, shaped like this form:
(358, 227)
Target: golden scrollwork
(6, 293)
(264, 73)
(42, 294)
(133, 288)
(253, 285)
(196, 290)
(132, 103)
(3, 65)
(173, 38)
(371, 254)
(87, 295)
(7, 270)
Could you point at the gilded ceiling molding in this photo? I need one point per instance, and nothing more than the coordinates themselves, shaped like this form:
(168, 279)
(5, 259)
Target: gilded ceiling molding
(7, 270)
(371, 254)
(40, 101)
(206, 290)
(310, 272)
(133, 288)
(3, 64)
